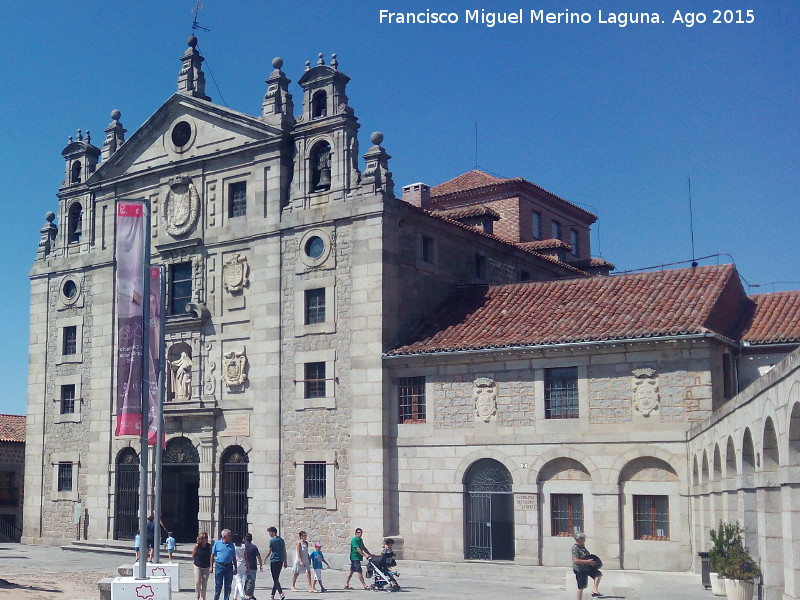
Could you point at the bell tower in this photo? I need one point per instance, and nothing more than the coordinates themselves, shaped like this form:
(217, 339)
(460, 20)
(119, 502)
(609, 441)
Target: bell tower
(325, 136)
(81, 159)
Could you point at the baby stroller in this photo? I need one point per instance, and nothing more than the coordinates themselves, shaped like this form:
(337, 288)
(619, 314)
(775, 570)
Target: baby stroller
(384, 576)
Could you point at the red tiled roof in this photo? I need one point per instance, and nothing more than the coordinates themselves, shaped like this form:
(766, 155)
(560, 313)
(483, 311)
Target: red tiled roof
(466, 181)
(469, 211)
(551, 244)
(12, 428)
(776, 319)
(664, 303)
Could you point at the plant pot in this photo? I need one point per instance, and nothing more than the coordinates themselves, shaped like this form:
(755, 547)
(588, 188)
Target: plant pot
(736, 589)
(717, 584)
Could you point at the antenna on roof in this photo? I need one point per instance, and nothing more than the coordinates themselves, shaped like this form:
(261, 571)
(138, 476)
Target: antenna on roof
(196, 9)
(691, 220)
(476, 144)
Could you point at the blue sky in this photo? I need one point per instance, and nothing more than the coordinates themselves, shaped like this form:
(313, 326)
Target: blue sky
(614, 119)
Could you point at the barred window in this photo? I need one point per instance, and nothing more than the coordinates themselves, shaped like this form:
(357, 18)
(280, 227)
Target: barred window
(411, 397)
(180, 287)
(8, 491)
(566, 514)
(70, 342)
(68, 399)
(237, 199)
(561, 393)
(315, 306)
(65, 477)
(314, 484)
(315, 380)
(651, 518)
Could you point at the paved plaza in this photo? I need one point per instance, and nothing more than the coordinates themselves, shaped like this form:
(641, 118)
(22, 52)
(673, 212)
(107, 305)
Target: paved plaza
(44, 572)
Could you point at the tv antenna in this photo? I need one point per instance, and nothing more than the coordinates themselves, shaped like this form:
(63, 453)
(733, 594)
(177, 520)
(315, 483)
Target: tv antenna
(691, 220)
(196, 9)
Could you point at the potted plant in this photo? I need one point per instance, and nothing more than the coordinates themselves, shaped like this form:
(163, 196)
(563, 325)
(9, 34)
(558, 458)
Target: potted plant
(723, 538)
(740, 572)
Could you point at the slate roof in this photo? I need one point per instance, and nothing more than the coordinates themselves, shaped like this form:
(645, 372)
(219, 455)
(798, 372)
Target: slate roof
(620, 307)
(776, 319)
(12, 428)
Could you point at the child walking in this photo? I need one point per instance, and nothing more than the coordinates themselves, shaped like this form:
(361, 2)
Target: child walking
(317, 560)
(169, 544)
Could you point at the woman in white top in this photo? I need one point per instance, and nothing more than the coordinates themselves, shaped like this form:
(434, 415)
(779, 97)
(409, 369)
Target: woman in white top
(302, 564)
(241, 573)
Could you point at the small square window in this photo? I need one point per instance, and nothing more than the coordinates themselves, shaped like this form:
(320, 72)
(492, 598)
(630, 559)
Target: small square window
(70, 341)
(315, 306)
(180, 287)
(411, 399)
(8, 491)
(573, 240)
(480, 266)
(315, 380)
(64, 477)
(561, 393)
(536, 226)
(314, 481)
(68, 399)
(556, 230)
(237, 199)
(566, 514)
(427, 249)
(651, 518)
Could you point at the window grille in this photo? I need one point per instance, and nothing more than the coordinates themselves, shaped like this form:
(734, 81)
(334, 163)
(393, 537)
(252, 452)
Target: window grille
(561, 393)
(315, 306)
(651, 517)
(411, 399)
(180, 287)
(566, 514)
(237, 195)
(64, 477)
(68, 399)
(70, 345)
(315, 380)
(314, 483)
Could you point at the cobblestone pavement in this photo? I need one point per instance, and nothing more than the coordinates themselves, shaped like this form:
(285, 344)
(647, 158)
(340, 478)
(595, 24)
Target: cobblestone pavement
(46, 573)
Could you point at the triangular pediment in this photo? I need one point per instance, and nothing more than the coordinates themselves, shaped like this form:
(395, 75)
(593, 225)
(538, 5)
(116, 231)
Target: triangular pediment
(206, 129)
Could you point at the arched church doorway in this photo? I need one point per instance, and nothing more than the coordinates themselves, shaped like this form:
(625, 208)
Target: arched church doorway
(126, 495)
(234, 484)
(488, 512)
(180, 484)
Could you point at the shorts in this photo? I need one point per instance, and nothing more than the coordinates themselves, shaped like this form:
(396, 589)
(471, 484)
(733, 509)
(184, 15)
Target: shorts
(583, 577)
(151, 543)
(317, 574)
(355, 566)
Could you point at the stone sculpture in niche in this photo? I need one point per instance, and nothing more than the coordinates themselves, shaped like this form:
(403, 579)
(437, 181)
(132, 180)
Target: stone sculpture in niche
(234, 368)
(181, 371)
(485, 393)
(235, 272)
(645, 391)
(181, 206)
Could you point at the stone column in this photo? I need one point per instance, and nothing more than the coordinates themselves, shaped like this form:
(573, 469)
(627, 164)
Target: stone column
(205, 517)
(607, 527)
(790, 504)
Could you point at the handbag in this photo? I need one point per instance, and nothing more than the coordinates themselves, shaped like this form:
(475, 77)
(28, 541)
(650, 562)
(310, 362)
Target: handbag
(597, 562)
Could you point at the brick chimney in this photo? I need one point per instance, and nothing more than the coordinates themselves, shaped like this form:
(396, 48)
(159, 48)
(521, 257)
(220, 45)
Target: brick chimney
(418, 194)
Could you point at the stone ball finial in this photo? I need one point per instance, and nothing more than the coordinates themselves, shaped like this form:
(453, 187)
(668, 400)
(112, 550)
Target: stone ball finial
(115, 114)
(308, 65)
(277, 62)
(376, 138)
(320, 60)
(49, 216)
(192, 41)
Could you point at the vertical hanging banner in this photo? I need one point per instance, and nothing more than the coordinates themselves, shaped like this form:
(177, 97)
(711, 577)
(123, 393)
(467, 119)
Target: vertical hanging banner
(130, 310)
(155, 349)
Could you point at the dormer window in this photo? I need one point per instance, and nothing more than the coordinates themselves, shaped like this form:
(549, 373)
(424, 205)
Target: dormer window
(319, 105)
(74, 223)
(75, 172)
(321, 167)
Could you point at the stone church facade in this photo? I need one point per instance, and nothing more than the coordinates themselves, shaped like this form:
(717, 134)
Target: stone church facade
(451, 368)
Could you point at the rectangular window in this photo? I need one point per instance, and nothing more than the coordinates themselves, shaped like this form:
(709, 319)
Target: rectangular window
(524, 276)
(180, 287)
(315, 380)
(566, 514)
(411, 399)
(237, 199)
(556, 230)
(573, 240)
(314, 484)
(315, 306)
(536, 226)
(651, 517)
(68, 399)
(480, 266)
(427, 250)
(70, 342)
(561, 393)
(8, 491)
(64, 477)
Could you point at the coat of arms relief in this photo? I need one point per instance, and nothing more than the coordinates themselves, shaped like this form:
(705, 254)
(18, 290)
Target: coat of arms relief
(181, 206)
(485, 393)
(235, 273)
(234, 369)
(645, 391)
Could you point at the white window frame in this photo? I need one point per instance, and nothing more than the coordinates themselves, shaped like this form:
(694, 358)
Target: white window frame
(76, 322)
(65, 457)
(75, 417)
(329, 458)
(329, 325)
(329, 400)
(555, 425)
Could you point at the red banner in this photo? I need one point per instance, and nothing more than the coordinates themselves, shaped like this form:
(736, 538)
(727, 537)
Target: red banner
(130, 305)
(155, 350)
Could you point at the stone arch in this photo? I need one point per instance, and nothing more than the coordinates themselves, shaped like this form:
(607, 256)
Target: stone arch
(488, 511)
(319, 104)
(648, 468)
(748, 453)
(243, 442)
(180, 372)
(563, 468)
(473, 457)
(74, 223)
(770, 460)
(695, 472)
(705, 472)
(180, 500)
(320, 159)
(126, 494)
(793, 456)
(730, 459)
(630, 455)
(75, 172)
(234, 479)
(563, 452)
(717, 463)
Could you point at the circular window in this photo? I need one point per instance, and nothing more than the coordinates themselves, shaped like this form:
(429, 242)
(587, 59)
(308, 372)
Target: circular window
(315, 246)
(181, 133)
(69, 289)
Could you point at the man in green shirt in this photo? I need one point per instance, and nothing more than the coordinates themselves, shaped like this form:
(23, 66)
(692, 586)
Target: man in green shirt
(357, 552)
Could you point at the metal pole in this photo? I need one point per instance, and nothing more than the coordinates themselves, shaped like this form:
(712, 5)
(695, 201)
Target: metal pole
(145, 425)
(160, 411)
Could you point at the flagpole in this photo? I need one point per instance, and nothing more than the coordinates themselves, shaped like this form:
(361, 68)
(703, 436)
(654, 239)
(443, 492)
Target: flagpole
(145, 425)
(162, 280)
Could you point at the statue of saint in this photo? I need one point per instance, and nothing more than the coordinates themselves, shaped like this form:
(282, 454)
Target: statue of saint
(181, 370)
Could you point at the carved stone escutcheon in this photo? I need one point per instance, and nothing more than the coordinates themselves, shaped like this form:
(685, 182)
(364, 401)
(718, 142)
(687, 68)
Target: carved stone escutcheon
(235, 272)
(645, 391)
(234, 368)
(181, 206)
(485, 394)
